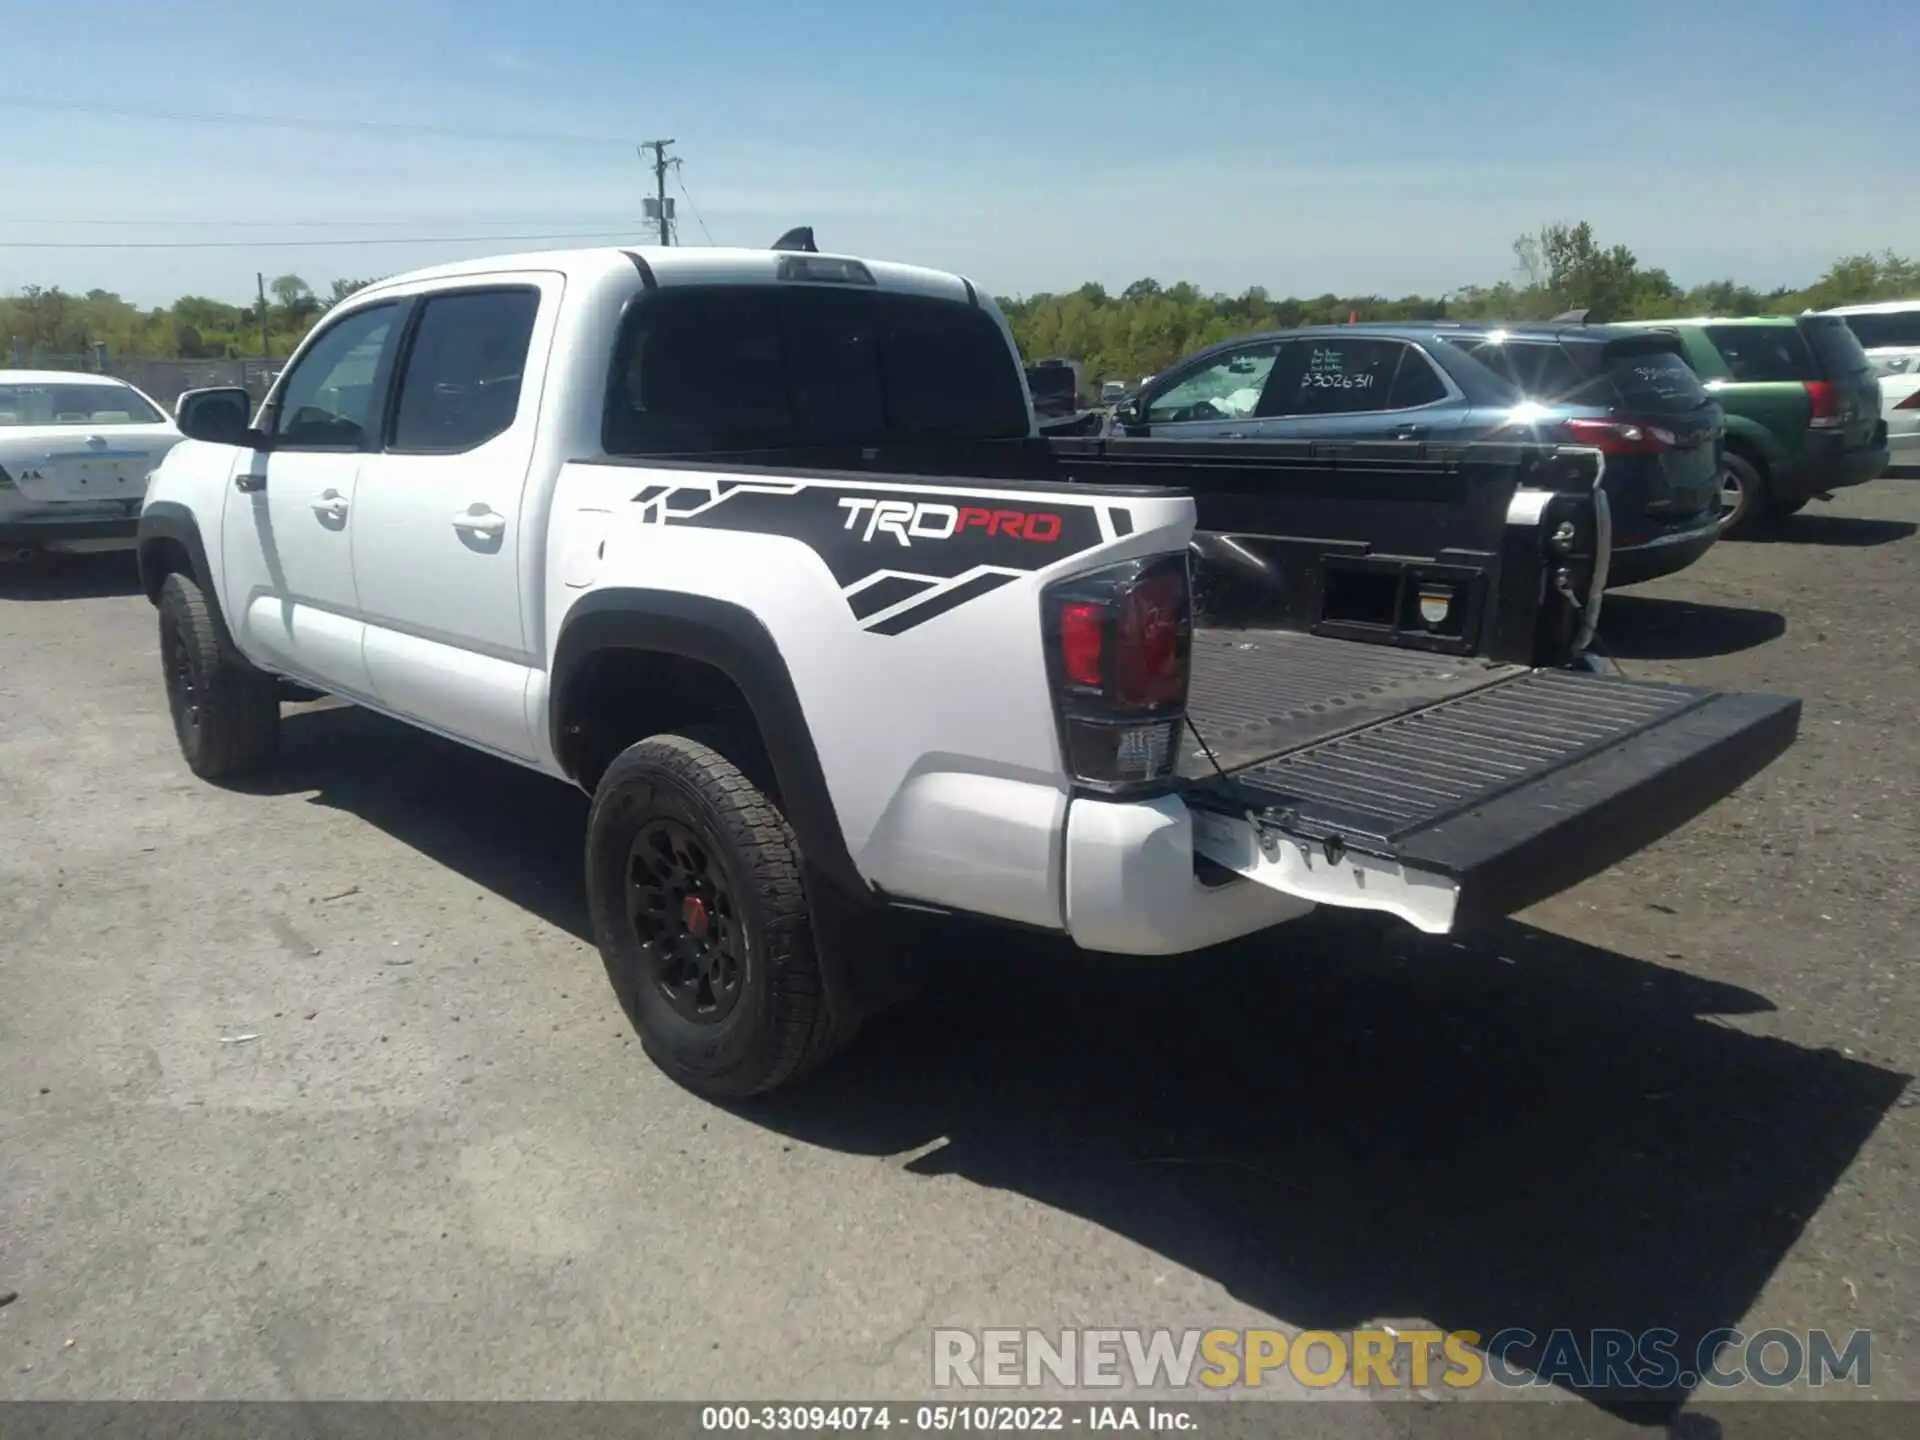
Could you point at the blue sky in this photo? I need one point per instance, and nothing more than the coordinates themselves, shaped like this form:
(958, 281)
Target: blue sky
(1354, 146)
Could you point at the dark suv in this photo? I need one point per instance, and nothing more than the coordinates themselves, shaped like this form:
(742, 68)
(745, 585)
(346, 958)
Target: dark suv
(1628, 393)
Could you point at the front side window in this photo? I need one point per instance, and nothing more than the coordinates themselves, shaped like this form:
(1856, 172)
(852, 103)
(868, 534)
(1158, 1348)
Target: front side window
(74, 403)
(327, 400)
(461, 383)
(1226, 388)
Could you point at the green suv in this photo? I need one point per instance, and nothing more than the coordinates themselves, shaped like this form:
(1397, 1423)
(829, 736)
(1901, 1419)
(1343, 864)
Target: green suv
(1802, 404)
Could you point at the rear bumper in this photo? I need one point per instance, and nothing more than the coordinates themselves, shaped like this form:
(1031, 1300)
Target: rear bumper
(1132, 888)
(43, 529)
(1639, 555)
(1825, 464)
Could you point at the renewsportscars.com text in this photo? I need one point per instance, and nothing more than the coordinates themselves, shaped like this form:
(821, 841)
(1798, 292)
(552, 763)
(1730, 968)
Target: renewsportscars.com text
(1602, 1360)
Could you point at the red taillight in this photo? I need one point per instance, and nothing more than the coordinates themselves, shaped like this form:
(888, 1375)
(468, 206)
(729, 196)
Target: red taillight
(1080, 625)
(1912, 402)
(1619, 437)
(1119, 651)
(1150, 666)
(1825, 401)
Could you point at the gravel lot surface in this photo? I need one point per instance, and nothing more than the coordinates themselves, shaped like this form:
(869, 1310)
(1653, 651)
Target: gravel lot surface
(316, 1089)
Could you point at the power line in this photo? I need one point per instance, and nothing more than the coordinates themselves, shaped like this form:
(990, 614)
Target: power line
(302, 122)
(679, 180)
(626, 234)
(330, 223)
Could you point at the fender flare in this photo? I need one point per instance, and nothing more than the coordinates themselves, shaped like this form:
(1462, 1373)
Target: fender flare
(733, 641)
(169, 520)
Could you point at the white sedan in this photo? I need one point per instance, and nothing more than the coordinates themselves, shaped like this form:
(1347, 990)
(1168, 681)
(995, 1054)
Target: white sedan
(1900, 404)
(75, 452)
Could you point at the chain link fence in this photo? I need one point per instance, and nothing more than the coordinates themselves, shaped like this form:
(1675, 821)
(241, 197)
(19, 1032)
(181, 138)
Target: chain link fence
(164, 380)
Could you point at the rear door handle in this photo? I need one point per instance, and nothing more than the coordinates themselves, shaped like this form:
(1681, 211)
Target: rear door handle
(1410, 432)
(331, 505)
(490, 525)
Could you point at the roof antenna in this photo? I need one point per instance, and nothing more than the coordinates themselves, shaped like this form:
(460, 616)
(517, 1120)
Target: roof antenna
(798, 238)
(1571, 317)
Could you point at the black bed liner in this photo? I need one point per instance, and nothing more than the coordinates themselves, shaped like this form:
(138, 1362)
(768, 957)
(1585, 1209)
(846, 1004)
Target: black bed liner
(1260, 693)
(1513, 783)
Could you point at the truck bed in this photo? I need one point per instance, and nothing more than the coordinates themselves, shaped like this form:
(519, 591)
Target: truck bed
(1259, 694)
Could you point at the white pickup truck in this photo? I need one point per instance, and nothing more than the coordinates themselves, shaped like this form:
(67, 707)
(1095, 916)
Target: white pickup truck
(762, 549)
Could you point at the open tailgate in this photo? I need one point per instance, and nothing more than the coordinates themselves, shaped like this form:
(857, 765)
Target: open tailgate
(1477, 805)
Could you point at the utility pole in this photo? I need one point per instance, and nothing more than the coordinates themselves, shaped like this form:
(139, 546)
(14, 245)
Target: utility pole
(260, 279)
(660, 164)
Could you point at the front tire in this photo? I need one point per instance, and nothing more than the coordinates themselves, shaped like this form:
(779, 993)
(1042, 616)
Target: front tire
(226, 715)
(694, 884)
(1743, 495)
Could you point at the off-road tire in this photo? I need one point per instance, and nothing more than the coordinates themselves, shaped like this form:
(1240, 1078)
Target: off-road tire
(226, 714)
(780, 1025)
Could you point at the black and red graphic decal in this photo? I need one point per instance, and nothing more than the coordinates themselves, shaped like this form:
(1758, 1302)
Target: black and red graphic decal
(900, 557)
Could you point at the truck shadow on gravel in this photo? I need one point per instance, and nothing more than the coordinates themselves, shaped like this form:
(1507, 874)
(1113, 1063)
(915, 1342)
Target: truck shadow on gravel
(1647, 627)
(1341, 1122)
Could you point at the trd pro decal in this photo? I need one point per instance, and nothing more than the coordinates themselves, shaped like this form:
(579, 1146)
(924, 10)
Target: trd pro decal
(899, 559)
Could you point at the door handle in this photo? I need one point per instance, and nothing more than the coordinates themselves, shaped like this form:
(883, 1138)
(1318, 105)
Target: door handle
(489, 525)
(1234, 435)
(331, 506)
(1410, 432)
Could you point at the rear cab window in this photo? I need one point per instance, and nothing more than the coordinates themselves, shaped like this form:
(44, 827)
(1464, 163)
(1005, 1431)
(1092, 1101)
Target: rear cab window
(753, 367)
(1763, 354)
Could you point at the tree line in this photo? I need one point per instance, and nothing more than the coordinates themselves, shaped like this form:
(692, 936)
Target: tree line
(49, 321)
(1559, 268)
(1143, 329)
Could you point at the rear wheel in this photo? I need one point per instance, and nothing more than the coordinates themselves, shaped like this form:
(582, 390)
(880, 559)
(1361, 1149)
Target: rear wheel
(1743, 494)
(226, 715)
(694, 883)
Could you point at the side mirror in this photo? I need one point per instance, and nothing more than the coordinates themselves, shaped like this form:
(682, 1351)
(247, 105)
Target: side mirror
(218, 414)
(1129, 414)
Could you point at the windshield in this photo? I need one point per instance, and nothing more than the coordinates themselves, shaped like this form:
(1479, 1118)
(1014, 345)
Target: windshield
(77, 403)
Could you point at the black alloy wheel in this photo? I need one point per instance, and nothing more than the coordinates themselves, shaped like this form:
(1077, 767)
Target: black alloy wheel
(680, 900)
